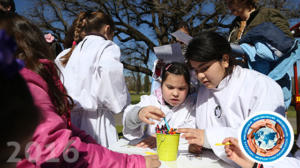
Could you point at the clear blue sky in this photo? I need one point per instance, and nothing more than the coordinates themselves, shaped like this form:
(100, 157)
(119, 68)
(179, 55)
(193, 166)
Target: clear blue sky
(23, 5)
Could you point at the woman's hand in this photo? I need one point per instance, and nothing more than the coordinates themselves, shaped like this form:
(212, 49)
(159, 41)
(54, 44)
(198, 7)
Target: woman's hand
(235, 154)
(152, 161)
(150, 112)
(149, 142)
(193, 136)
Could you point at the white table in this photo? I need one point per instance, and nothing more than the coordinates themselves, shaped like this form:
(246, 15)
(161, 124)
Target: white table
(184, 160)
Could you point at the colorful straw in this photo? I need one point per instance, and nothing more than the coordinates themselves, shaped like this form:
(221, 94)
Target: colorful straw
(168, 127)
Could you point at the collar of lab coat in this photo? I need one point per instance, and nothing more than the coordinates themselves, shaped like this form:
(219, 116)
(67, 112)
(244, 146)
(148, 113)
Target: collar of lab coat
(225, 82)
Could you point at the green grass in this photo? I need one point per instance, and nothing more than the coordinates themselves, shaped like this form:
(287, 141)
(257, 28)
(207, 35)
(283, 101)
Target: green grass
(291, 112)
(135, 98)
(119, 128)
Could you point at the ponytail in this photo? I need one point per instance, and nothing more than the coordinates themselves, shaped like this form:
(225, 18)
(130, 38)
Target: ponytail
(79, 34)
(87, 23)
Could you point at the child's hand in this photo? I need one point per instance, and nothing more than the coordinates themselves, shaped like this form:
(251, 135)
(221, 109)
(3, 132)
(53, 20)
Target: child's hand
(192, 135)
(235, 154)
(150, 112)
(149, 142)
(152, 161)
(196, 149)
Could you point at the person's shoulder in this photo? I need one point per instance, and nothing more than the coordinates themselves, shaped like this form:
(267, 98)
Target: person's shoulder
(268, 11)
(100, 42)
(258, 79)
(148, 100)
(62, 53)
(265, 9)
(34, 79)
(151, 98)
(191, 98)
(97, 40)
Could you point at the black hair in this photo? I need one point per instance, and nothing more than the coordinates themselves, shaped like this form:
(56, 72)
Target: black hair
(209, 46)
(177, 69)
(7, 4)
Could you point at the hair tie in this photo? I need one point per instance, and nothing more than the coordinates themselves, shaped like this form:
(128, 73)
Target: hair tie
(74, 43)
(168, 67)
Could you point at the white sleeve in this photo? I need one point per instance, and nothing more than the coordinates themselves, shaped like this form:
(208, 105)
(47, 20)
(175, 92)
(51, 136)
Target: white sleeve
(217, 135)
(109, 85)
(133, 128)
(267, 96)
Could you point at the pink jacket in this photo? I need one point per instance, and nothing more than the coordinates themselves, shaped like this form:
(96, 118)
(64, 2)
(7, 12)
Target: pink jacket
(52, 139)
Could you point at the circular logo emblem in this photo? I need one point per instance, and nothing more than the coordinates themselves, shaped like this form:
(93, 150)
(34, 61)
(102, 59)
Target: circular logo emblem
(218, 111)
(266, 137)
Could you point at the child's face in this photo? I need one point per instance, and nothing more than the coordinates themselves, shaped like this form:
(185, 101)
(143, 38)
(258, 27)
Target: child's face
(243, 13)
(174, 89)
(211, 73)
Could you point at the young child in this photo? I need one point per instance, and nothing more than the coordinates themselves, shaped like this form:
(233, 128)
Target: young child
(93, 76)
(170, 101)
(158, 64)
(53, 143)
(228, 94)
(18, 111)
(235, 154)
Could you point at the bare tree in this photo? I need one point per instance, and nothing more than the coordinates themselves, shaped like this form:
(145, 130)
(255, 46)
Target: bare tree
(141, 24)
(146, 84)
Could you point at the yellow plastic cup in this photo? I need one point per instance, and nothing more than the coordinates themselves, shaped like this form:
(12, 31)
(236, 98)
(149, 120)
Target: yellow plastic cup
(167, 146)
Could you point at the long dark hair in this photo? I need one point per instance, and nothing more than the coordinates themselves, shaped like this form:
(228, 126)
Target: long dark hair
(209, 46)
(18, 111)
(85, 23)
(31, 47)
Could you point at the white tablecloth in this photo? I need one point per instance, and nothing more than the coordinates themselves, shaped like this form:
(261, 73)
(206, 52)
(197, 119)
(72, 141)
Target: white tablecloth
(184, 160)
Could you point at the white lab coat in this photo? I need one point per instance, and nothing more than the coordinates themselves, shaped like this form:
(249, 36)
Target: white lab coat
(237, 96)
(94, 79)
(181, 116)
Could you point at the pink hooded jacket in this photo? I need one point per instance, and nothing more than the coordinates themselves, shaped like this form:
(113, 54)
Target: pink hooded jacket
(66, 147)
